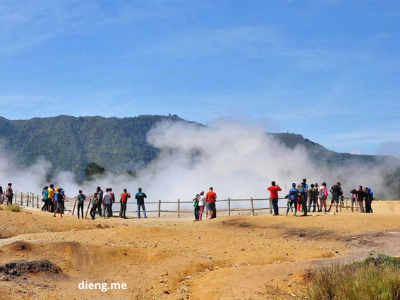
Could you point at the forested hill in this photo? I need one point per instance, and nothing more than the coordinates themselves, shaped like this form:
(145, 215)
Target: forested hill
(71, 143)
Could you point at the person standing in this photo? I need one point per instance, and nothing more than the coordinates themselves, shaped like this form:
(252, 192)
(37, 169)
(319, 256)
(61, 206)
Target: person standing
(1, 194)
(202, 202)
(299, 204)
(97, 202)
(305, 189)
(318, 199)
(94, 206)
(368, 200)
(124, 200)
(323, 195)
(81, 200)
(196, 207)
(303, 196)
(45, 194)
(313, 197)
(9, 194)
(211, 198)
(140, 196)
(360, 195)
(112, 199)
(336, 191)
(60, 202)
(274, 189)
(294, 197)
(107, 203)
(51, 197)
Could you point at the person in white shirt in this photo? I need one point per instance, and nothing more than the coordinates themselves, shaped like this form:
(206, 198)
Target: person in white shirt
(202, 203)
(107, 203)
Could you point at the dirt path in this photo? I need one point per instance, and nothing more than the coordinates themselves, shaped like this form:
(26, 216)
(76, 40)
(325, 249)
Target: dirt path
(227, 258)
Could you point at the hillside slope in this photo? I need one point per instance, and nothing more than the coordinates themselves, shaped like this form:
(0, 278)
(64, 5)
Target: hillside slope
(70, 143)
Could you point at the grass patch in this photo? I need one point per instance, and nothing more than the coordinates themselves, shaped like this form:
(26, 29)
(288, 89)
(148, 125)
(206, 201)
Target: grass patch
(376, 277)
(13, 208)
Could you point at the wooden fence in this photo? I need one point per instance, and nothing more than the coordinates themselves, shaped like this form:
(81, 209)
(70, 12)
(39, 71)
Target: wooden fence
(230, 208)
(32, 200)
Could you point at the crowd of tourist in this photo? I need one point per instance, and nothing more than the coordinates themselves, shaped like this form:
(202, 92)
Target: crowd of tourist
(304, 197)
(300, 198)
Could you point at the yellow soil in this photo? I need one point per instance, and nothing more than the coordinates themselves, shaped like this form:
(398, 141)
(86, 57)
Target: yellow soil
(241, 257)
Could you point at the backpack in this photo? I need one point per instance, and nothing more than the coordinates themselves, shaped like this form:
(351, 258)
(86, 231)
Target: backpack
(371, 193)
(325, 192)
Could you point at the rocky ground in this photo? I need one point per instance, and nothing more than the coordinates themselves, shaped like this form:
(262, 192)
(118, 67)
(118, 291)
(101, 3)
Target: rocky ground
(239, 257)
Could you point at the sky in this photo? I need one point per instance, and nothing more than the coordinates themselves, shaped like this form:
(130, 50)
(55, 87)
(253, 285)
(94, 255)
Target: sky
(329, 70)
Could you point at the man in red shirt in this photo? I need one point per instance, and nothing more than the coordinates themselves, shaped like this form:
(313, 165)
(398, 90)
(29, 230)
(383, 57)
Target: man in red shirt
(211, 197)
(274, 197)
(124, 199)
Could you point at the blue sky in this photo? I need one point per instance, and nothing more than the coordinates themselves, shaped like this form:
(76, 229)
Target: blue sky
(329, 70)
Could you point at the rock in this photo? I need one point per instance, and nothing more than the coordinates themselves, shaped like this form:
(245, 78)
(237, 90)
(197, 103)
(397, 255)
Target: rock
(4, 278)
(99, 226)
(166, 292)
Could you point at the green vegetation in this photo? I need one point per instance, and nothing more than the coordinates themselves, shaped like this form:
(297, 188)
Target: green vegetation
(13, 208)
(377, 277)
(93, 169)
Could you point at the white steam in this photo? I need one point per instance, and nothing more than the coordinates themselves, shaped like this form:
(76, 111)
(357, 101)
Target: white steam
(238, 160)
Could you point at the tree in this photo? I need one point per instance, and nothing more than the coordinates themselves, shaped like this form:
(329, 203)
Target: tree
(93, 169)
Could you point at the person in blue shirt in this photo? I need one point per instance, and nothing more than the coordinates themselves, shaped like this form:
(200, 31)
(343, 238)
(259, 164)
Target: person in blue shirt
(140, 202)
(80, 199)
(45, 194)
(60, 202)
(303, 197)
(294, 197)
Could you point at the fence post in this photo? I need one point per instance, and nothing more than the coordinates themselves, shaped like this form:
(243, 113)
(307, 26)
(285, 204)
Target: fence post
(179, 208)
(37, 201)
(346, 204)
(73, 210)
(352, 205)
(159, 208)
(270, 206)
(27, 199)
(252, 205)
(22, 199)
(87, 209)
(229, 207)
